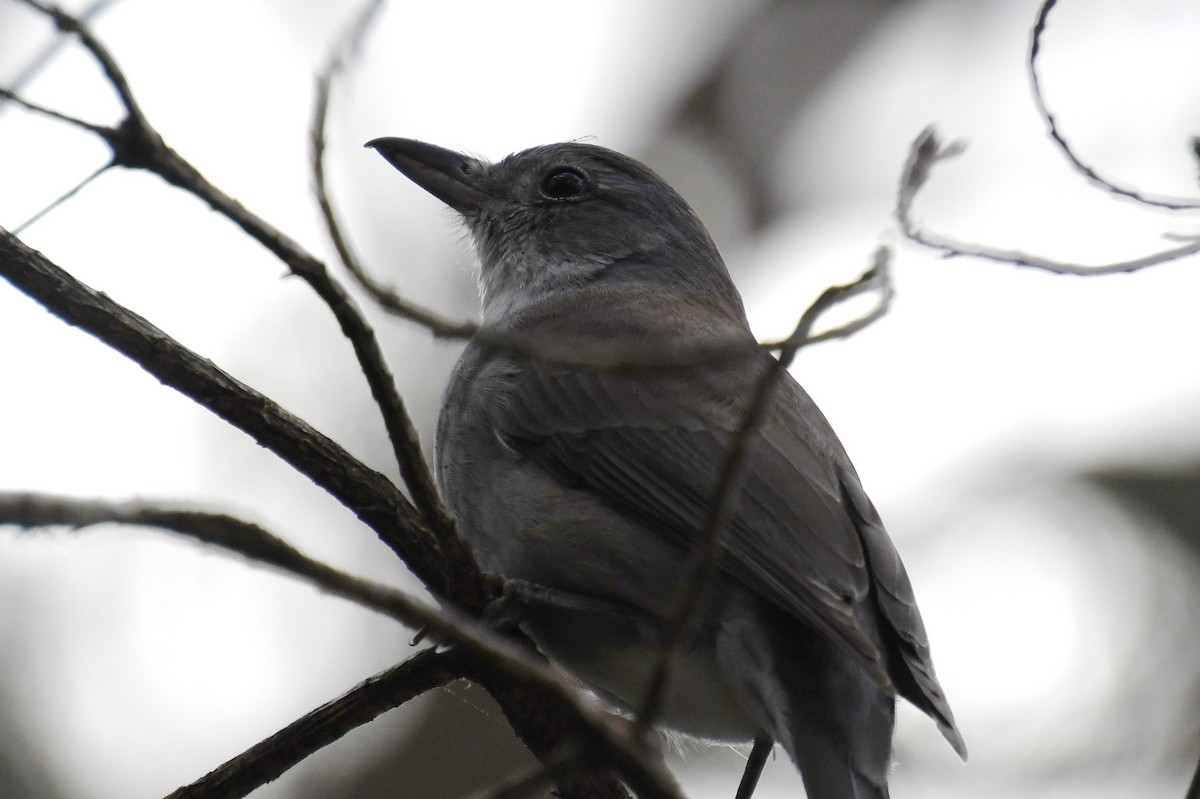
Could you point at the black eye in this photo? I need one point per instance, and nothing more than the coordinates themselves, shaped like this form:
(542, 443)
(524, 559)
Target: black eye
(564, 183)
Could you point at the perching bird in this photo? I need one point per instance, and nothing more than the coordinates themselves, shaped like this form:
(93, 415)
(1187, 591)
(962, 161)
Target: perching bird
(580, 445)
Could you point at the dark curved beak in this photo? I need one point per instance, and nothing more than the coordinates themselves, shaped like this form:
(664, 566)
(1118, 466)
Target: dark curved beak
(454, 178)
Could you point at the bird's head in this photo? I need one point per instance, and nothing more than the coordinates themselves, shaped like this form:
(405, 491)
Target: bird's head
(565, 216)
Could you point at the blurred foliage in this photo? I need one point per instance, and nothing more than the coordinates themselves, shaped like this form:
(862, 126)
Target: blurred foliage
(742, 107)
(1168, 493)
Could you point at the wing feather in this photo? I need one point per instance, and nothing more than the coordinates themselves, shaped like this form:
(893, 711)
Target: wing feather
(652, 447)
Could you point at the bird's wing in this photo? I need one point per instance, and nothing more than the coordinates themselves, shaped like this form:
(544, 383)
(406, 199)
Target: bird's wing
(917, 681)
(653, 444)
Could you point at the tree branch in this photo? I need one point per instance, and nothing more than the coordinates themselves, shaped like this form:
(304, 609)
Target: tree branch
(267, 760)
(926, 151)
(370, 495)
(1056, 135)
(252, 542)
(387, 297)
(136, 144)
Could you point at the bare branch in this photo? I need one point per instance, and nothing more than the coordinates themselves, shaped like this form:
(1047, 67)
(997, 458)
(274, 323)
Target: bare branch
(543, 708)
(48, 53)
(12, 96)
(62, 198)
(137, 145)
(370, 495)
(877, 278)
(706, 559)
(926, 151)
(270, 758)
(387, 297)
(31, 510)
(1152, 200)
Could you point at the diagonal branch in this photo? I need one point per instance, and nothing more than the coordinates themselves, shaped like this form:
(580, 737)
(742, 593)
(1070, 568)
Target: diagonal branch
(370, 495)
(267, 760)
(116, 78)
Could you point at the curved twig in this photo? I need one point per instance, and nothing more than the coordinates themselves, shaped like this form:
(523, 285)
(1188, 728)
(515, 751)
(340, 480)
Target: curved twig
(1056, 135)
(387, 297)
(926, 151)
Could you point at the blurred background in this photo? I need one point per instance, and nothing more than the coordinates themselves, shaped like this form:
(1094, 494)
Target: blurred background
(1033, 441)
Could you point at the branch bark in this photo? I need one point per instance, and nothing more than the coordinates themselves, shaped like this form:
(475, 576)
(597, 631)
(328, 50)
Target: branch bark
(267, 760)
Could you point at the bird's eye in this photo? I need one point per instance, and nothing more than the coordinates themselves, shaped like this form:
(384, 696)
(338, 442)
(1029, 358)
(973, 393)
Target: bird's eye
(564, 183)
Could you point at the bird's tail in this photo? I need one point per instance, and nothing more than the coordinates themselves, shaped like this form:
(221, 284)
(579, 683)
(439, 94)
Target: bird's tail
(831, 717)
(828, 773)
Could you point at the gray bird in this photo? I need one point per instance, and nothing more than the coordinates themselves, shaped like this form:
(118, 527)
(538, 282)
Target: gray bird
(586, 478)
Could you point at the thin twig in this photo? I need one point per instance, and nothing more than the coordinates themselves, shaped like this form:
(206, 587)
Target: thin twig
(763, 746)
(62, 198)
(58, 116)
(116, 78)
(1056, 135)
(387, 297)
(48, 53)
(927, 151)
(267, 760)
(33, 510)
(706, 559)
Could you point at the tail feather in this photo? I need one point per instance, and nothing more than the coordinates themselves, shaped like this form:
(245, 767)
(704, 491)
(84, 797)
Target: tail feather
(828, 773)
(832, 719)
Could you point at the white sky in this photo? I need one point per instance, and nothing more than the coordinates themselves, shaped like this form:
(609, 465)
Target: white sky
(976, 364)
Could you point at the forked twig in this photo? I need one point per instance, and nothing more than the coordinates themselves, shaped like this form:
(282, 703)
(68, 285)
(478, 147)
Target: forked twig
(926, 151)
(136, 144)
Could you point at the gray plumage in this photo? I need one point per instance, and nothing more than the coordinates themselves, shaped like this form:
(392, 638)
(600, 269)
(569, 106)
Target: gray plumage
(592, 483)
